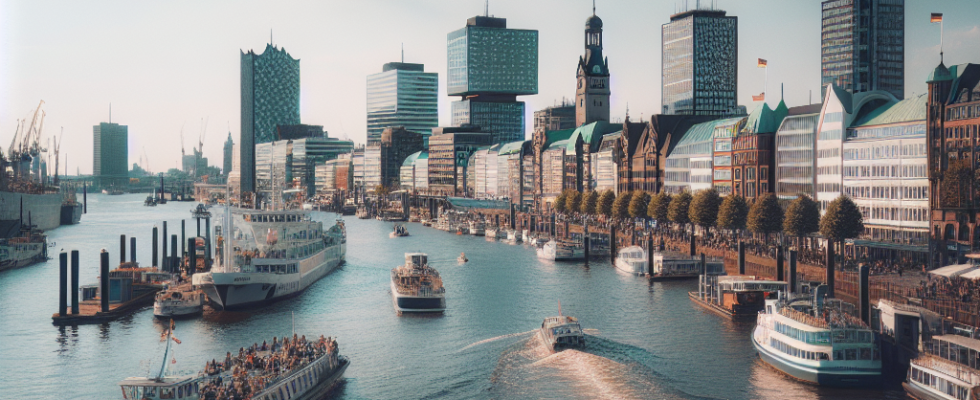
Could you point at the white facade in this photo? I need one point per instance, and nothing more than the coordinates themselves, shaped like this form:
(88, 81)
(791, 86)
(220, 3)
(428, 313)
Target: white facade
(830, 133)
(422, 174)
(372, 167)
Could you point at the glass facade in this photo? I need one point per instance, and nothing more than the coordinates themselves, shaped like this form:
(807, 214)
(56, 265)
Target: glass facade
(111, 153)
(504, 121)
(863, 45)
(700, 63)
(270, 97)
(492, 59)
(372, 167)
(306, 155)
(402, 95)
(795, 141)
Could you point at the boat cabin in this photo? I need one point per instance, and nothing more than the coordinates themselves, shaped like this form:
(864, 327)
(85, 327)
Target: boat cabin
(738, 296)
(668, 264)
(169, 388)
(416, 259)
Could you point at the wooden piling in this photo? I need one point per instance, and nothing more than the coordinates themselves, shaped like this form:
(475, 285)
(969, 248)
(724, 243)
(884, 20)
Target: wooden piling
(74, 282)
(63, 284)
(104, 280)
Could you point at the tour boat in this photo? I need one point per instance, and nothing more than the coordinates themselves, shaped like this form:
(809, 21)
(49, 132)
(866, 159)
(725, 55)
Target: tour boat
(561, 251)
(632, 260)
(562, 332)
(737, 297)
(513, 236)
(28, 248)
(273, 255)
(947, 370)
(399, 231)
(417, 287)
(814, 340)
(150, 201)
(669, 265)
(477, 228)
(178, 301)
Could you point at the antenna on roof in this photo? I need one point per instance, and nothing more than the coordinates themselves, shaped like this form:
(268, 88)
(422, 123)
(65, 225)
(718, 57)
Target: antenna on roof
(486, 8)
(403, 52)
(593, 7)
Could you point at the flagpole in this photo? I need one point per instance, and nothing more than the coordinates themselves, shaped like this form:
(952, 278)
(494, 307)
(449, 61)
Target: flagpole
(940, 41)
(765, 97)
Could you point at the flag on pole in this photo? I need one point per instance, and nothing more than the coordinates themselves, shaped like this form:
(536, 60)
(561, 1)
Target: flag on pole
(760, 97)
(763, 63)
(936, 17)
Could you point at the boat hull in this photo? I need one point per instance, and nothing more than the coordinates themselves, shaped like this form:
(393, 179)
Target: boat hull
(16, 255)
(71, 214)
(325, 386)
(817, 377)
(915, 390)
(417, 304)
(626, 267)
(164, 311)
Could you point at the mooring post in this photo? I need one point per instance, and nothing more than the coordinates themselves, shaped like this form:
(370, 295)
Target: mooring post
(779, 264)
(191, 256)
(207, 243)
(792, 271)
(84, 198)
(163, 257)
(173, 255)
(612, 243)
(183, 239)
(63, 285)
(741, 258)
(132, 250)
(649, 270)
(829, 264)
(865, 294)
(104, 281)
(156, 243)
(122, 249)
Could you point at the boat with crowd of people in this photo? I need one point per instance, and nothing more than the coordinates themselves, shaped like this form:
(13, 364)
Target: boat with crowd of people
(417, 287)
(270, 255)
(948, 368)
(562, 332)
(398, 231)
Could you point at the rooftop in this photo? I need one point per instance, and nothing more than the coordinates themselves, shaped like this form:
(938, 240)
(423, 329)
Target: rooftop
(908, 110)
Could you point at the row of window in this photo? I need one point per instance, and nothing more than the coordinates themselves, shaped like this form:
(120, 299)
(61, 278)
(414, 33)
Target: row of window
(913, 214)
(829, 170)
(793, 351)
(888, 192)
(828, 153)
(963, 112)
(887, 171)
(886, 151)
(939, 383)
(962, 132)
(822, 337)
(278, 269)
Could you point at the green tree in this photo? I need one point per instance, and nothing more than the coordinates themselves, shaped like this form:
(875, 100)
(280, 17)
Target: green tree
(704, 208)
(620, 209)
(574, 201)
(677, 212)
(843, 220)
(657, 208)
(733, 213)
(559, 204)
(765, 215)
(802, 218)
(605, 204)
(589, 201)
(638, 204)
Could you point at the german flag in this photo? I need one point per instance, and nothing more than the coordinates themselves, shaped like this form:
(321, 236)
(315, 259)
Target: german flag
(760, 97)
(936, 17)
(763, 63)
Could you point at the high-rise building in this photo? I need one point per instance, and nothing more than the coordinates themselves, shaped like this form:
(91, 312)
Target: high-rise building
(489, 66)
(229, 151)
(592, 93)
(555, 118)
(111, 153)
(700, 63)
(862, 46)
(270, 97)
(402, 94)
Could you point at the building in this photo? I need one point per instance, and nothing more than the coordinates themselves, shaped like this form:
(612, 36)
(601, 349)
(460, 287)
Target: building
(110, 154)
(592, 76)
(414, 167)
(509, 171)
(644, 147)
(688, 168)
(753, 158)
(862, 45)
(885, 173)
(294, 162)
(555, 118)
(489, 66)
(952, 130)
(333, 175)
(402, 94)
(357, 165)
(396, 144)
(580, 172)
(795, 158)
(235, 176)
(483, 165)
(228, 156)
(548, 166)
(269, 97)
(700, 63)
(606, 163)
(299, 131)
(449, 153)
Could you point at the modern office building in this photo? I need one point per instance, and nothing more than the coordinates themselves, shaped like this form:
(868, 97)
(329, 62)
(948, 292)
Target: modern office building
(592, 77)
(449, 153)
(396, 144)
(489, 66)
(862, 45)
(700, 63)
(281, 163)
(402, 94)
(299, 131)
(111, 154)
(606, 165)
(228, 156)
(795, 158)
(357, 165)
(269, 97)
(555, 118)
(688, 167)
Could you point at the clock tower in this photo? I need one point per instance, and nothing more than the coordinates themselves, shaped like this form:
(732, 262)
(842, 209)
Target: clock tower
(592, 94)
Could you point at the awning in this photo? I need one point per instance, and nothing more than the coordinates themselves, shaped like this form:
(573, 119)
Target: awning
(972, 275)
(889, 246)
(954, 270)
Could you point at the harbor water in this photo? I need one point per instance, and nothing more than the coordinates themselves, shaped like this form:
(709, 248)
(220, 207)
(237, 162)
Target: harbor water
(644, 340)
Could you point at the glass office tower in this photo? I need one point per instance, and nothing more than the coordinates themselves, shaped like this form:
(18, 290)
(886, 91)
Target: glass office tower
(700, 63)
(402, 95)
(862, 45)
(110, 158)
(489, 66)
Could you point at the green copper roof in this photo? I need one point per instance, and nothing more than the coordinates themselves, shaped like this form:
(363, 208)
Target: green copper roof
(764, 120)
(511, 148)
(418, 155)
(559, 144)
(698, 133)
(941, 73)
(592, 134)
(554, 136)
(908, 110)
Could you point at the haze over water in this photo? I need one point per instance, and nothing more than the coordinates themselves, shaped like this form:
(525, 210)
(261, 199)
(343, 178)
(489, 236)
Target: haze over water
(644, 340)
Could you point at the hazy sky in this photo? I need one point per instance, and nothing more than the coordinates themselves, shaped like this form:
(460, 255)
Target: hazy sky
(167, 65)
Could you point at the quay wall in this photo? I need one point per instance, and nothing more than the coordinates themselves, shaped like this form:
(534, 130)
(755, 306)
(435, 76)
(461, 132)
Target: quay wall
(44, 209)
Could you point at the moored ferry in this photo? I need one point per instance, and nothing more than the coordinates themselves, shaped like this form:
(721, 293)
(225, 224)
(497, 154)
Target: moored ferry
(632, 260)
(739, 297)
(29, 248)
(815, 341)
(178, 301)
(947, 369)
(417, 287)
(561, 251)
(670, 265)
(273, 255)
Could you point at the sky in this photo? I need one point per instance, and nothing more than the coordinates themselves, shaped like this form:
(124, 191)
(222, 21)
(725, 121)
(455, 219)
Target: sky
(167, 67)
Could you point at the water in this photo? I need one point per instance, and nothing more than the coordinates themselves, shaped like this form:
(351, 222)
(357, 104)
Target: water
(644, 340)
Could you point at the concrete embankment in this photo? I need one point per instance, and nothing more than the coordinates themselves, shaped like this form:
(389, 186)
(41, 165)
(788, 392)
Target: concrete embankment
(44, 209)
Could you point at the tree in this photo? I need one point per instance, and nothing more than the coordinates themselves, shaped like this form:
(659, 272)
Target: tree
(733, 213)
(704, 208)
(605, 204)
(765, 216)
(589, 201)
(574, 202)
(559, 204)
(620, 209)
(677, 212)
(843, 220)
(657, 208)
(638, 204)
(802, 217)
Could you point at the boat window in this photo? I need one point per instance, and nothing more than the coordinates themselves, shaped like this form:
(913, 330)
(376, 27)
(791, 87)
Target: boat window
(850, 354)
(294, 386)
(866, 353)
(180, 392)
(280, 393)
(166, 393)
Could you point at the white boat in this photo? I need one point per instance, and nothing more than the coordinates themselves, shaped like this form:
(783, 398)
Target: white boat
(398, 231)
(491, 233)
(31, 247)
(561, 332)
(477, 228)
(178, 301)
(417, 287)
(632, 260)
(513, 236)
(817, 342)
(526, 236)
(942, 372)
(274, 255)
(670, 265)
(561, 251)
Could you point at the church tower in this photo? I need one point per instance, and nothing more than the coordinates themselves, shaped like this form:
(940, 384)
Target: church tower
(592, 94)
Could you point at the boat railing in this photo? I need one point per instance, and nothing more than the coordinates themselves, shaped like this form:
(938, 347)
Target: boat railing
(951, 368)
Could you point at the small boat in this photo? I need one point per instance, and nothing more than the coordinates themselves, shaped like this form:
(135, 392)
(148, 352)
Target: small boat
(178, 301)
(561, 251)
(417, 287)
(562, 332)
(477, 228)
(462, 258)
(526, 236)
(399, 231)
(491, 233)
(513, 236)
(671, 265)
(632, 260)
(28, 248)
(150, 201)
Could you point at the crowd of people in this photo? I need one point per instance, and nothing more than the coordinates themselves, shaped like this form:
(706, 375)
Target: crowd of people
(259, 366)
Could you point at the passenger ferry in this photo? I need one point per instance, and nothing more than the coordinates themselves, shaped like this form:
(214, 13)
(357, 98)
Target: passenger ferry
(817, 342)
(561, 251)
(736, 297)
(178, 301)
(273, 255)
(632, 260)
(307, 377)
(562, 332)
(668, 265)
(417, 287)
(29, 248)
(947, 370)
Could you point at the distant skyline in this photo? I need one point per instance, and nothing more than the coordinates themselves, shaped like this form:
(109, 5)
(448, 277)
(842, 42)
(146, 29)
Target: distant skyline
(168, 65)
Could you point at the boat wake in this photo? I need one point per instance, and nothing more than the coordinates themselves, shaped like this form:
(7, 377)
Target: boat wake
(485, 341)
